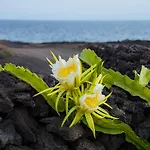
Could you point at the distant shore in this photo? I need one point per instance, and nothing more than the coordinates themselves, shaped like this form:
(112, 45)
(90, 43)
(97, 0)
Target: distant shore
(65, 49)
(34, 54)
(46, 44)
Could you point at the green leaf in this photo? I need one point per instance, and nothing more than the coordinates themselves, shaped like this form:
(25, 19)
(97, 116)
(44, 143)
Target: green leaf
(144, 76)
(107, 126)
(77, 117)
(99, 67)
(68, 114)
(136, 75)
(124, 82)
(31, 78)
(116, 78)
(89, 57)
(90, 122)
(1, 68)
(58, 100)
(67, 101)
(116, 127)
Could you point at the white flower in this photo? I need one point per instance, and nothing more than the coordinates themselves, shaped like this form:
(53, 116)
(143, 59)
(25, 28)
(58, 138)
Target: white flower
(89, 106)
(67, 73)
(91, 101)
(98, 88)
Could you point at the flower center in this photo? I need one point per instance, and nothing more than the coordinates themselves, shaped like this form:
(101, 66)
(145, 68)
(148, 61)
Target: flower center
(65, 71)
(92, 102)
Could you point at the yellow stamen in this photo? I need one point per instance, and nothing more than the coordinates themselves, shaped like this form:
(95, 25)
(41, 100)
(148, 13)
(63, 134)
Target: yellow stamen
(65, 71)
(92, 102)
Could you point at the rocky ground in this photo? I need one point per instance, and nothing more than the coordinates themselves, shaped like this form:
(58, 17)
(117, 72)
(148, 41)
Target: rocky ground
(28, 123)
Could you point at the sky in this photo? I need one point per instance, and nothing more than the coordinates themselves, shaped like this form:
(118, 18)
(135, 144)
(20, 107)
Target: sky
(75, 9)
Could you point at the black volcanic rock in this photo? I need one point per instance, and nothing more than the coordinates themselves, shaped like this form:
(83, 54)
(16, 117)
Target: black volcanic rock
(66, 133)
(41, 108)
(144, 129)
(47, 141)
(6, 105)
(8, 134)
(29, 123)
(26, 126)
(123, 58)
(11, 147)
(111, 142)
(85, 144)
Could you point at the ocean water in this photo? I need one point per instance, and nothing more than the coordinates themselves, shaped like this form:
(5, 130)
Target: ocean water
(71, 31)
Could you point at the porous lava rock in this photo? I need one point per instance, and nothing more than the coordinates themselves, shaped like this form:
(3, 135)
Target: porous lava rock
(29, 123)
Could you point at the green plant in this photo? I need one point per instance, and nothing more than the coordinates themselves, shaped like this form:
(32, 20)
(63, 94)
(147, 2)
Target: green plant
(134, 87)
(144, 77)
(79, 93)
(31, 78)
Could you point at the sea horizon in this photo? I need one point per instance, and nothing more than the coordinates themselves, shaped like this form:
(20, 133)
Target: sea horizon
(43, 31)
(20, 19)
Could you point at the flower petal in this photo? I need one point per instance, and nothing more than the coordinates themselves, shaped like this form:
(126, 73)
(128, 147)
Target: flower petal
(98, 88)
(68, 73)
(68, 82)
(89, 101)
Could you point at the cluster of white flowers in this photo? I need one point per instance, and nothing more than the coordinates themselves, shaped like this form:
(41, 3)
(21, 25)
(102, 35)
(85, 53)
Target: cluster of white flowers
(81, 88)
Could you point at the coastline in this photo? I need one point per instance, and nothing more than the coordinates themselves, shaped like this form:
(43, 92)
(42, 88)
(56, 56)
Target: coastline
(18, 44)
(35, 54)
(64, 49)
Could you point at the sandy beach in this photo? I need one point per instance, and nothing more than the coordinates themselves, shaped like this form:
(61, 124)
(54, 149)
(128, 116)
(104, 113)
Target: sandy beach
(31, 55)
(41, 51)
(64, 49)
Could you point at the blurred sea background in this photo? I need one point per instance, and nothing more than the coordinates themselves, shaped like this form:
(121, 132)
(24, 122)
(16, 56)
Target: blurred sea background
(73, 31)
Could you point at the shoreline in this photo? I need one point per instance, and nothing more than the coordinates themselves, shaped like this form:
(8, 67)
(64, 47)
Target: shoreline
(30, 55)
(18, 44)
